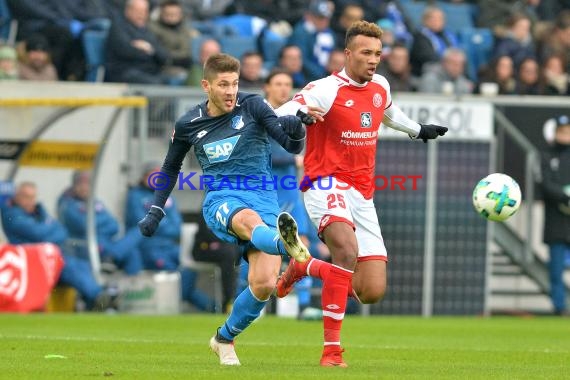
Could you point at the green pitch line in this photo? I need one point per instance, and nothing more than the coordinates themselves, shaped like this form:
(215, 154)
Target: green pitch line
(89, 346)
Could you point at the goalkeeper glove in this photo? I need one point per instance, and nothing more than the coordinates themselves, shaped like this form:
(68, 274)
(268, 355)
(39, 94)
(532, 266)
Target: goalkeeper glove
(430, 131)
(292, 126)
(149, 223)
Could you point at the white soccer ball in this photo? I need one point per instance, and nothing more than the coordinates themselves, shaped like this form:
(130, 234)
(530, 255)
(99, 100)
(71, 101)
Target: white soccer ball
(497, 197)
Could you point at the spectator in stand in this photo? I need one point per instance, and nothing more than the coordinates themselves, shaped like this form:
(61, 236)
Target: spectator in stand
(206, 9)
(502, 72)
(209, 47)
(25, 220)
(162, 250)
(372, 9)
(8, 63)
(557, 41)
(172, 31)
(518, 41)
(278, 88)
(528, 78)
(251, 75)
(291, 60)
(396, 69)
(336, 61)
(36, 63)
(547, 10)
(556, 81)
(494, 14)
(556, 189)
(72, 212)
(447, 77)
(134, 53)
(431, 41)
(388, 38)
(350, 13)
(61, 22)
(290, 11)
(315, 39)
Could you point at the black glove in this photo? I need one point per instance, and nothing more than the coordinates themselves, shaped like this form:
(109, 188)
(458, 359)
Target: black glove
(149, 223)
(305, 118)
(430, 132)
(293, 126)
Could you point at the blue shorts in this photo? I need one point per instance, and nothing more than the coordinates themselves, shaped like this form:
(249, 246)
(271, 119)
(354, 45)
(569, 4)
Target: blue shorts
(220, 206)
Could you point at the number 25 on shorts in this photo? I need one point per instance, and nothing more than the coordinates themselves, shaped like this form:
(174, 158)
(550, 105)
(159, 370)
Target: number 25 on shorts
(335, 200)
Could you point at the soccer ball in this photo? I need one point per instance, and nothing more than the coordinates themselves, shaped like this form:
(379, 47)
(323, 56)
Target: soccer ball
(497, 197)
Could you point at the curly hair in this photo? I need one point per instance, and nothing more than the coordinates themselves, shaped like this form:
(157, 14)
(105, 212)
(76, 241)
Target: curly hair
(363, 28)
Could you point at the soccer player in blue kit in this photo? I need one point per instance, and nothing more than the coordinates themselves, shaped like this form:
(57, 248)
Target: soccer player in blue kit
(229, 132)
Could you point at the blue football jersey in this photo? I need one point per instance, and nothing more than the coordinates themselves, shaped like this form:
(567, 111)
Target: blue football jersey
(232, 149)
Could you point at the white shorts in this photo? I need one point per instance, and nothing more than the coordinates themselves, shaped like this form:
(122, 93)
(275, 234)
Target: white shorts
(342, 203)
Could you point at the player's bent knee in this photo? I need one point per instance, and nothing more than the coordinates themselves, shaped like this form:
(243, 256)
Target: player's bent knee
(263, 289)
(369, 296)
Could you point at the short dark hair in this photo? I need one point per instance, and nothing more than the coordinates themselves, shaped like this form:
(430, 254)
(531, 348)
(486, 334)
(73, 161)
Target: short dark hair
(251, 53)
(282, 51)
(277, 71)
(220, 63)
(563, 20)
(363, 28)
(166, 3)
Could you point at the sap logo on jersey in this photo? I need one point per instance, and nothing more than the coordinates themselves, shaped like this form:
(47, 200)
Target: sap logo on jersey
(219, 151)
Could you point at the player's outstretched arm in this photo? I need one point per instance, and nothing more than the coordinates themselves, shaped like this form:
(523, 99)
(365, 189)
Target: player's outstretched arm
(290, 133)
(167, 176)
(396, 119)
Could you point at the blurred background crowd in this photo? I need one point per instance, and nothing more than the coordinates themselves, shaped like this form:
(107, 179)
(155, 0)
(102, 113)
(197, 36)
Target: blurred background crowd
(479, 46)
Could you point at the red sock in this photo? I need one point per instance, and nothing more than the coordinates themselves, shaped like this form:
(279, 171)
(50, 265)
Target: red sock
(321, 269)
(334, 303)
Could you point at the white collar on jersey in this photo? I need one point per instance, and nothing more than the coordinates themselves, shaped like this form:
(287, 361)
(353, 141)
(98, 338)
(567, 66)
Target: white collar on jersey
(343, 75)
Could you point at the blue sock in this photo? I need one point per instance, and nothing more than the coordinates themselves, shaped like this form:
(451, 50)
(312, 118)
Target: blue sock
(303, 290)
(267, 240)
(245, 310)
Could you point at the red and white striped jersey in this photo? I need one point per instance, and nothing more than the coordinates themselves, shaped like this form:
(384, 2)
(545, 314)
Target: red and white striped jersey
(344, 144)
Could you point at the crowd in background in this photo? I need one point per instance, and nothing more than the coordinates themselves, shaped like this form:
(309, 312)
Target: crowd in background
(166, 42)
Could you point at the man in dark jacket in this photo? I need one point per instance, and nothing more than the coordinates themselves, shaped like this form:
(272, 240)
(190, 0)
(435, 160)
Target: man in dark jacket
(556, 189)
(61, 22)
(134, 54)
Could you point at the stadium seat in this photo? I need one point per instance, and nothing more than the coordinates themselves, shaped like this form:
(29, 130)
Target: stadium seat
(8, 26)
(457, 16)
(478, 45)
(413, 11)
(197, 44)
(237, 45)
(271, 45)
(94, 49)
(187, 236)
(212, 30)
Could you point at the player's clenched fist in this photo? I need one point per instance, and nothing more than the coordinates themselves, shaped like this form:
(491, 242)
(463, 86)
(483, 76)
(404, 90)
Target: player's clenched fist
(430, 131)
(149, 223)
(293, 126)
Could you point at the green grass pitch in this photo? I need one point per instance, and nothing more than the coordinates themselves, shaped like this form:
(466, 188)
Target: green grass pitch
(176, 347)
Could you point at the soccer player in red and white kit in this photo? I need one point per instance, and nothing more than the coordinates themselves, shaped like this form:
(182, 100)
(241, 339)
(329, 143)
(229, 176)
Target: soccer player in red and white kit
(348, 108)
